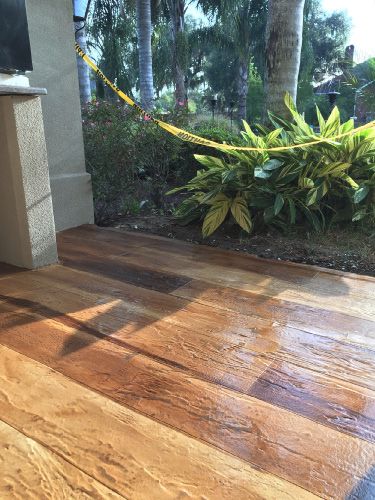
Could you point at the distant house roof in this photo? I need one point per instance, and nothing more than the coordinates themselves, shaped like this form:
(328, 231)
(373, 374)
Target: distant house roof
(329, 86)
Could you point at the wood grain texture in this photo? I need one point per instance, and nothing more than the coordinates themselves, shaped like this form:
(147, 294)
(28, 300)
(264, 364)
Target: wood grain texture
(121, 448)
(141, 239)
(30, 471)
(318, 320)
(202, 373)
(313, 456)
(199, 337)
(340, 405)
(115, 243)
(88, 256)
(294, 284)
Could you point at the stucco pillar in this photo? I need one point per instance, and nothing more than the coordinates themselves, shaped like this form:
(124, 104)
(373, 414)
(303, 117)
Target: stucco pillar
(51, 33)
(27, 229)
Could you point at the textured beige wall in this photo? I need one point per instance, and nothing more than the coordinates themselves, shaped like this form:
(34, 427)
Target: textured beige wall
(27, 230)
(55, 67)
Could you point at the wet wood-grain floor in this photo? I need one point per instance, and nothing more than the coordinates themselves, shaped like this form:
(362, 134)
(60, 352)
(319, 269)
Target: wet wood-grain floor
(147, 368)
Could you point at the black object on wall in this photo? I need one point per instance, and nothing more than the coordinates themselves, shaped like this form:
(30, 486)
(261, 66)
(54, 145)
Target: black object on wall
(15, 53)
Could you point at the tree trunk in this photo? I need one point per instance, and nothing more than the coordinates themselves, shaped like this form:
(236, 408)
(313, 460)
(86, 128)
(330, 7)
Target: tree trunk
(144, 29)
(178, 26)
(83, 69)
(283, 53)
(243, 89)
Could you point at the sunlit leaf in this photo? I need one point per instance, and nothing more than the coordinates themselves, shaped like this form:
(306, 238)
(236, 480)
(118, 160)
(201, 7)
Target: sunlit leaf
(215, 216)
(321, 120)
(311, 197)
(350, 181)
(210, 161)
(240, 212)
(307, 183)
(333, 122)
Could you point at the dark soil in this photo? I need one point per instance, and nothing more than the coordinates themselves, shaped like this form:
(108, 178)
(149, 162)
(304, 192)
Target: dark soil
(342, 249)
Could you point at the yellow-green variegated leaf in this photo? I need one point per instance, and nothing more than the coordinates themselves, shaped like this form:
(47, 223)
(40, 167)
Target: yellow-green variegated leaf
(302, 126)
(273, 135)
(251, 137)
(311, 197)
(350, 181)
(333, 122)
(215, 216)
(307, 183)
(334, 169)
(321, 120)
(210, 161)
(347, 126)
(247, 129)
(289, 103)
(317, 193)
(240, 212)
(212, 198)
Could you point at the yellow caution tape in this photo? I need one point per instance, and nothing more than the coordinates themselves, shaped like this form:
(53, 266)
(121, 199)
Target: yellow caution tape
(187, 136)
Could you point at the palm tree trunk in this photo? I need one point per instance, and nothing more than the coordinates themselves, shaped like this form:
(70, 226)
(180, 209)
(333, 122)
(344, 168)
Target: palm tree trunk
(83, 69)
(243, 89)
(144, 29)
(178, 26)
(283, 52)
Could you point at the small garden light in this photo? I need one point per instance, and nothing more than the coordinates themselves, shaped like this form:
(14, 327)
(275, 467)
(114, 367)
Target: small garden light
(80, 10)
(331, 90)
(213, 104)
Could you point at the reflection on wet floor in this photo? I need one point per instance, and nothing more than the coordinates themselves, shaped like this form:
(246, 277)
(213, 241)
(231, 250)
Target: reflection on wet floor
(259, 375)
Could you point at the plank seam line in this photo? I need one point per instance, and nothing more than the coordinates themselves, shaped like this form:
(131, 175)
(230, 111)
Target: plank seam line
(113, 257)
(191, 373)
(221, 308)
(198, 376)
(170, 364)
(159, 359)
(217, 307)
(154, 419)
(298, 287)
(60, 455)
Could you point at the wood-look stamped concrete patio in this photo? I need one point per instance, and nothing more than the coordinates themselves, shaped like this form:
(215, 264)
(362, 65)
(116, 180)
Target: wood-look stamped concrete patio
(147, 368)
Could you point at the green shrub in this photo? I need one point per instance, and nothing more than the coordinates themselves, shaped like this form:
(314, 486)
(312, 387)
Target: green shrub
(129, 159)
(109, 149)
(133, 162)
(314, 185)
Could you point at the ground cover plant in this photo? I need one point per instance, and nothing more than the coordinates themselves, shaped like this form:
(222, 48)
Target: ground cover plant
(315, 186)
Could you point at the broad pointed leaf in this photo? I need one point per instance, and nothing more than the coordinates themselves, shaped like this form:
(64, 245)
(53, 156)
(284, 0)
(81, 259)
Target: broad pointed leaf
(279, 203)
(361, 194)
(272, 165)
(215, 216)
(240, 212)
(259, 173)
